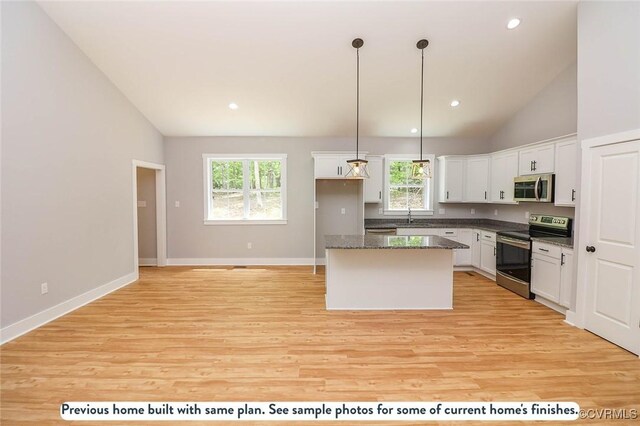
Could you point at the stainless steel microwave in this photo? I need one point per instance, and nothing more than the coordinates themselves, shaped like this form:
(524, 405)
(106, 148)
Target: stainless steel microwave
(535, 188)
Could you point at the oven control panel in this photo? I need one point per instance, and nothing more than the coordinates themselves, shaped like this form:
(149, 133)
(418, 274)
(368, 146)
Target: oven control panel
(550, 221)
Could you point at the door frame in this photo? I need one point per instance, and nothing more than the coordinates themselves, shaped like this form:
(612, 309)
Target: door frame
(161, 211)
(585, 216)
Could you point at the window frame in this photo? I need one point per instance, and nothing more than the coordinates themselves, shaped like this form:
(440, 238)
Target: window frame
(207, 159)
(429, 185)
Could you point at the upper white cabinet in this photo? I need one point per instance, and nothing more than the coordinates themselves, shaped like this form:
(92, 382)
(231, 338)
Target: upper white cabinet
(451, 175)
(504, 167)
(565, 168)
(476, 188)
(373, 185)
(537, 160)
(332, 165)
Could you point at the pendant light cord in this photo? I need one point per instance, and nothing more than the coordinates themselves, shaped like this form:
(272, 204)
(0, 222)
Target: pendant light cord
(421, 100)
(357, 101)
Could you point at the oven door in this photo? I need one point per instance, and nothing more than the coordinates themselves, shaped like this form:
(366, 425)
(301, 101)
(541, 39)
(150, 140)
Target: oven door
(513, 258)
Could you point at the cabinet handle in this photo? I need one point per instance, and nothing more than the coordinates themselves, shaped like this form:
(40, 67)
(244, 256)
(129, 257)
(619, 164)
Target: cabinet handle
(477, 236)
(494, 251)
(380, 195)
(447, 195)
(485, 195)
(531, 165)
(534, 165)
(573, 195)
(561, 259)
(449, 232)
(541, 249)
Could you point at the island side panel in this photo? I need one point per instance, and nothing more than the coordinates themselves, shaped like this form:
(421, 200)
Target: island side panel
(369, 279)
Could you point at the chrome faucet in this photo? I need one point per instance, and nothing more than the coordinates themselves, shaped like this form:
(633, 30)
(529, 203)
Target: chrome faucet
(409, 218)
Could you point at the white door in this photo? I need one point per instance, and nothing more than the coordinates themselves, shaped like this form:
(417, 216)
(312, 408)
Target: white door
(373, 185)
(488, 257)
(545, 277)
(565, 185)
(611, 250)
(454, 179)
(477, 179)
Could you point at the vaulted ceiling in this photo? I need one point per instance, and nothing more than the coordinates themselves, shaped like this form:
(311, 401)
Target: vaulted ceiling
(290, 67)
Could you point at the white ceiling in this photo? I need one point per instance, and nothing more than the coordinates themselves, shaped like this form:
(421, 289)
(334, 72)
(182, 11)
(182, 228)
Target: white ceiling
(291, 68)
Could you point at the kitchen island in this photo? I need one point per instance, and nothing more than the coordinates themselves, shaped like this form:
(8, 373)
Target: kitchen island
(389, 272)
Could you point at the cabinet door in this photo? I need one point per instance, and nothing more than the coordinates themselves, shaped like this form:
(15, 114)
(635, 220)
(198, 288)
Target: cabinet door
(565, 185)
(544, 161)
(454, 179)
(327, 166)
(488, 257)
(475, 248)
(566, 278)
(545, 277)
(373, 185)
(477, 179)
(498, 163)
(525, 161)
(463, 256)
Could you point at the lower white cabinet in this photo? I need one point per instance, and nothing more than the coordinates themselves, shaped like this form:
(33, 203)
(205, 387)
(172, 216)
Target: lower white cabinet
(488, 252)
(552, 273)
(462, 257)
(475, 248)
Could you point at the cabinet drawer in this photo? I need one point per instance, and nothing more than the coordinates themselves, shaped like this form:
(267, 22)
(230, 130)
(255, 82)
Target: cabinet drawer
(448, 233)
(547, 249)
(488, 236)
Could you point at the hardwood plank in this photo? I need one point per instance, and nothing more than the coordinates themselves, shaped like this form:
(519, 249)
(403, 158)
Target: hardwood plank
(262, 333)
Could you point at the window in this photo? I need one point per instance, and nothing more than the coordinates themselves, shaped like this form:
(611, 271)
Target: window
(404, 192)
(245, 188)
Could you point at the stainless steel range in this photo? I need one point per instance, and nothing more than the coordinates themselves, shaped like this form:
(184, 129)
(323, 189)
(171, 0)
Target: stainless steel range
(513, 255)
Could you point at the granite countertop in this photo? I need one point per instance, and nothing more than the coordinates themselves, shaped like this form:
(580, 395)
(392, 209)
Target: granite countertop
(390, 242)
(484, 224)
(556, 241)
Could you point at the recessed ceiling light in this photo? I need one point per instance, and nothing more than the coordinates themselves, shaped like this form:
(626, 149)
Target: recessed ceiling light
(233, 106)
(513, 22)
(454, 103)
(414, 130)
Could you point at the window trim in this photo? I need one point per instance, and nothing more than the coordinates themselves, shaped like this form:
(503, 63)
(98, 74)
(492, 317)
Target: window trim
(206, 161)
(388, 158)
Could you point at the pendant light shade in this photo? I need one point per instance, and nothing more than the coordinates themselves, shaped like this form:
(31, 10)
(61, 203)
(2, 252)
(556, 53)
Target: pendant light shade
(421, 169)
(358, 168)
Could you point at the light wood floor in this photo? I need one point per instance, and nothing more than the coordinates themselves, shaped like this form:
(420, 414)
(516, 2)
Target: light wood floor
(204, 334)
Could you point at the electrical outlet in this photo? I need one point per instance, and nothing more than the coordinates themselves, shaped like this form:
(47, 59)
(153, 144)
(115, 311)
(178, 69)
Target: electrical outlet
(473, 211)
(249, 245)
(495, 212)
(44, 288)
(526, 215)
(177, 203)
(343, 211)
(142, 203)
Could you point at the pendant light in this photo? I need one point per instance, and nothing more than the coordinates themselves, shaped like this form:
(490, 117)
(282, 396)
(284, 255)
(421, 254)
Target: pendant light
(421, 169)
(358, 168)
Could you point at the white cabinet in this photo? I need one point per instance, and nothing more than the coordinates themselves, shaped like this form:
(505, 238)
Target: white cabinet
(462, 257)
(504, 167)
(552, 273)
(565, 169)
(476, 188)
(566, 277)
(475, 248)
(451, 178)
(537, 160)
(330, 166)
(373, 185)
(488, 252)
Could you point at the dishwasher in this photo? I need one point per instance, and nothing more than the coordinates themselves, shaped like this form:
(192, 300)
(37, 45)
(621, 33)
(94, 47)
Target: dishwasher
(384, 231)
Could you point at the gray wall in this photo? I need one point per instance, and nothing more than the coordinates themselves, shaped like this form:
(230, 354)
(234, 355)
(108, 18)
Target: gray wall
(68, 138)
(188, 237)
(146, 179)
(551, 113)
(608, 67)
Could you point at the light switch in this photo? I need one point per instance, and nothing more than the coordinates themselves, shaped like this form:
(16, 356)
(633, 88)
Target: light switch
(177, 204)
(142, 203)
(343, 210)
(495, 212)
(473, 211)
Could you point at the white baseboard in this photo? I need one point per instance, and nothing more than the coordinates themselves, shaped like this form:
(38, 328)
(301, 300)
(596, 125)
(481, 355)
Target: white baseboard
(147, 261)
(550, 304)
(321, 261)
(21, 327)
(244, 261)
(570, 318)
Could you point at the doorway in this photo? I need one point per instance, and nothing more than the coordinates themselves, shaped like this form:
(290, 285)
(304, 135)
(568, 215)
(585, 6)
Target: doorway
(149, 214)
